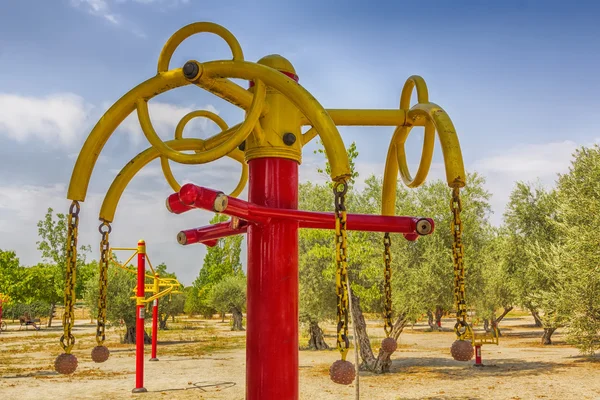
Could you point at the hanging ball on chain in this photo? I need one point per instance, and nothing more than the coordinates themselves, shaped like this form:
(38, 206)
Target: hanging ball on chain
(65, 364)
(462, 350)
(389, 345)
(342, 372)
(100, 354)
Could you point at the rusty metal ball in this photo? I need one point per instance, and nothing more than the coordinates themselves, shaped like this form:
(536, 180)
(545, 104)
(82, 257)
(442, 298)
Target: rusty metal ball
(342, 372)
(65, 364)
(389, 345)
(462, 350)
(100, 354)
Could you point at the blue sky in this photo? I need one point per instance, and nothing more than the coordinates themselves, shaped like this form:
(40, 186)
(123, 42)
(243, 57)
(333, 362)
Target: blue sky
(518, 78)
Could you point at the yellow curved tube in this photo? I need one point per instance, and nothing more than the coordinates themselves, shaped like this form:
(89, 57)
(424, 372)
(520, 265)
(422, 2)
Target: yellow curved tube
(399, 139)
(114, 193)
(164, 59)
(453, 161)
(209, 155)
(422, 92)
(306, 103)
(390, 183)
(114, 116)
(164, 162)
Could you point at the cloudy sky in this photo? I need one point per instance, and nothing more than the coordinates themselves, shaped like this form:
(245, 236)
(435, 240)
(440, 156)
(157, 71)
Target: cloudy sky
(519, 80)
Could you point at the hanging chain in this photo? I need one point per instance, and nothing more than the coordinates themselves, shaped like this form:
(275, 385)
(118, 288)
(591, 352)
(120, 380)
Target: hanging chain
(458, 253)
(387, 285)
(67, 340)
(105, 230)
(343, 343)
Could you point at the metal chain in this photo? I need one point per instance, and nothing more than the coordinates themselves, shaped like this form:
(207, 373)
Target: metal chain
(343, 343)
(105, 230)
(67, 340)
(458, 253)
(387, 285)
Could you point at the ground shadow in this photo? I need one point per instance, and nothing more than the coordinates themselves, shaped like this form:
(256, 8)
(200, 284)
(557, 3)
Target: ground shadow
(31, 374)
(449, 368)
(204, 386)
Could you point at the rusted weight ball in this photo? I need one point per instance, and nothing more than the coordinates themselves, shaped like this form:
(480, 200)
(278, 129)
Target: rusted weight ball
(389, 345)
(342, 372)
(100, 354)
(65, 364)
(462, 350)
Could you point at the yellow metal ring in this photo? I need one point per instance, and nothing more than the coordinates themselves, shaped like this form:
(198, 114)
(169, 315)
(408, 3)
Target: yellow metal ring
(402, 132)
(218, 151)
(199, 27)
(164, 162)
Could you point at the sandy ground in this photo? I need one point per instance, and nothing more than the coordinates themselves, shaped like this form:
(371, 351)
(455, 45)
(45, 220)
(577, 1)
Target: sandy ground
(202, 359)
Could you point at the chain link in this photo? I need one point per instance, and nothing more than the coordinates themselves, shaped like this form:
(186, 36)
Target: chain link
(343, 343)
(67, 340)
(105, 230)
(458, 253)
(387, 285)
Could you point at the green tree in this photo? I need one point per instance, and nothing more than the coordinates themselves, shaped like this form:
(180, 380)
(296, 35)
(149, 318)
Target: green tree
(53, 246)
(120, 306)
(531, 221)
(229, 295)
(11, 276)
(220, 261)
(578, 255)
(172, 305)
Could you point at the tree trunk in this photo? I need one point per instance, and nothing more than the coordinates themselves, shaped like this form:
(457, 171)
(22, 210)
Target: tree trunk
(382, 363)
(51, 314)
(430, 320)
(237, 320)
(222, 317)
(546, 338)
(316, 341)
(536, 318)
(501, 317)
(162, 322)
(486, 325)
(439, 312)
(130, 335)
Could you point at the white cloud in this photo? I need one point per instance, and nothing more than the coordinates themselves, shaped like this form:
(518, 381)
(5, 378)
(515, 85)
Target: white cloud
(57, 119)
(99, 8)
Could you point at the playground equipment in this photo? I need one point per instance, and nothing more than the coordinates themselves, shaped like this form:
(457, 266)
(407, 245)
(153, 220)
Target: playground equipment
(4, 299)
(268, 144)
(159, 287)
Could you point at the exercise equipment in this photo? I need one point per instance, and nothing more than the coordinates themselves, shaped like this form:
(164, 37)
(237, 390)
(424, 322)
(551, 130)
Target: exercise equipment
(268, 144)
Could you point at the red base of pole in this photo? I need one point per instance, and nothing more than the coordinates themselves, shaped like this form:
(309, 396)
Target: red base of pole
(478, 357)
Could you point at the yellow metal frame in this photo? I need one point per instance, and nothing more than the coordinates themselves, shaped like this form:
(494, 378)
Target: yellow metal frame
(478, 339)
(159, 287)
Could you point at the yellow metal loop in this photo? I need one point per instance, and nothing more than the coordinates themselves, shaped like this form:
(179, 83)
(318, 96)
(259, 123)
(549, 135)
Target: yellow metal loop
(422, 92)
(199, 27)
(208, 155)
(164, 162)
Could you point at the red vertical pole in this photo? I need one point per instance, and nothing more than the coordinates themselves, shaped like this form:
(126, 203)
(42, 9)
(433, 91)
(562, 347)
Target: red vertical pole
(272, 332)
(140, 311)
(154, 329)
(478, 356)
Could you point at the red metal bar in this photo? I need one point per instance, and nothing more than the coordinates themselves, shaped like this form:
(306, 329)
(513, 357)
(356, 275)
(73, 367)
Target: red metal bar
(140, 311)
(210, 234)
(272, 332)
(154, 329)
(478, 356)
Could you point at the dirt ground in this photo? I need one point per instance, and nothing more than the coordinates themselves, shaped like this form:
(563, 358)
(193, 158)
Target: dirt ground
(203, 359)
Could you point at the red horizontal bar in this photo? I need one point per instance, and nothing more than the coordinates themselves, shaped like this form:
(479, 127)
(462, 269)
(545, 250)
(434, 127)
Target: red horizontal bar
(192, 196)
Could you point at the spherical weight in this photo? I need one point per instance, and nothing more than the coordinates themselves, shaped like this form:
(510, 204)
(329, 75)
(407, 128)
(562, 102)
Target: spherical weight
(462, 350)
(100, 354)
(342, 372)
(65, 364)
(389, 345)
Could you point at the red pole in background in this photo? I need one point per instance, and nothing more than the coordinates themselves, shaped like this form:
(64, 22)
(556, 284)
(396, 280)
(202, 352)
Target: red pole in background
(478, 356)
(140, 311)
(272, 331)
(155, 320)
